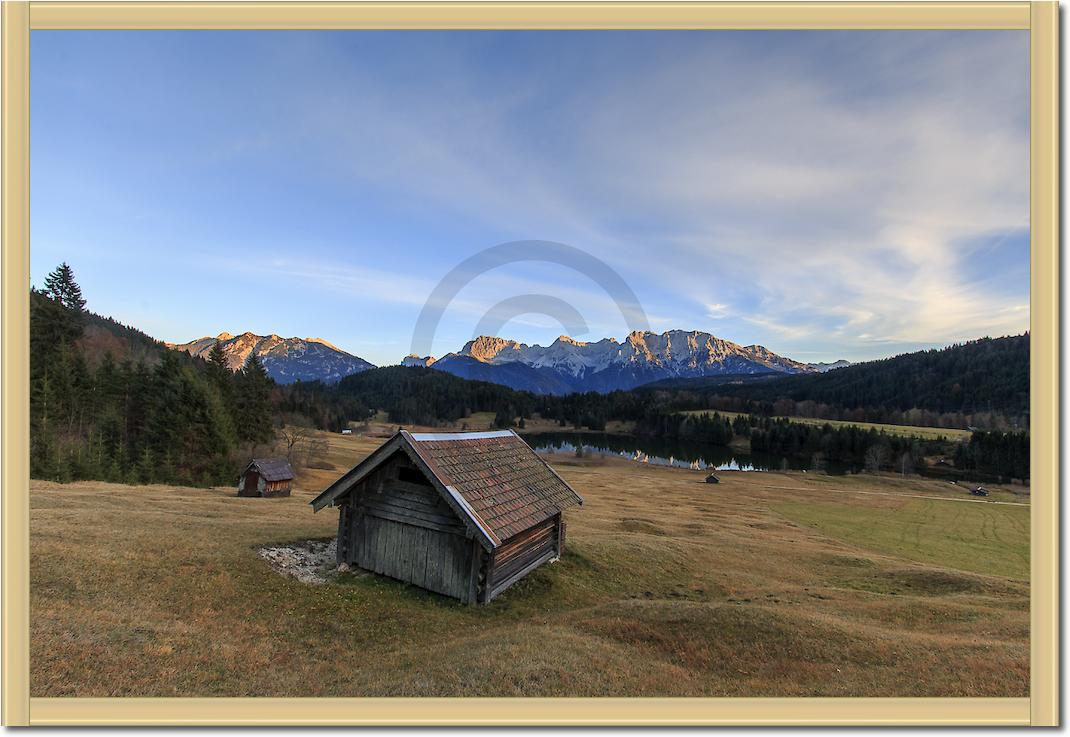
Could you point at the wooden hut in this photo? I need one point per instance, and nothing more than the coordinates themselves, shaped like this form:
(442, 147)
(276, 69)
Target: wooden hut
(461, 514)
(266, 477)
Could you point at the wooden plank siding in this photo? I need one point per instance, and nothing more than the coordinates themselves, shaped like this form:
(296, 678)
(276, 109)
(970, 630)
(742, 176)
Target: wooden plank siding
(249, 483)
(433, 560)
(276, 488)
(521, 554)
(405, 530)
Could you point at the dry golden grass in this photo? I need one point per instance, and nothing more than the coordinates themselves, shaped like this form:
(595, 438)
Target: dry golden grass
(668, 587)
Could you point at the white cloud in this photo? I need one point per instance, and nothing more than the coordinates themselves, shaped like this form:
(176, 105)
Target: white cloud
(716, 311)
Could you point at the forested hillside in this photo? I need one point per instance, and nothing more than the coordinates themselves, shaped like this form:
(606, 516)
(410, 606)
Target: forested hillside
(409, 395)
(983, 382)
(109, 402)
(425, 396)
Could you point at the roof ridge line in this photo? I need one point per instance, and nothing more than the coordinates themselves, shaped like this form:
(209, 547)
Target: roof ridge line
(424, 437)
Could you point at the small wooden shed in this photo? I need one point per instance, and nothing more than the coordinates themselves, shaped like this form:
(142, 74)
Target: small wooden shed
(466, 515)
(266, 477)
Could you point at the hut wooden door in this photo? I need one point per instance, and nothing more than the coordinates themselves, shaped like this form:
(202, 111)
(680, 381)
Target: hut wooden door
(431, 559)
(252, 480)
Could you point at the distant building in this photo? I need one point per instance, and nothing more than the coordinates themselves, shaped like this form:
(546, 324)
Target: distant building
(266, 477)
(466, 515)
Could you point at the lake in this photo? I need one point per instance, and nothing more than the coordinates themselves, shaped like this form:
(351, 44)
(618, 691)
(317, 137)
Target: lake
(662, 452)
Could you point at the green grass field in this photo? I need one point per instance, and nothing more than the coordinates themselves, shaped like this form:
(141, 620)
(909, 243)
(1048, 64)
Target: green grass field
(982, 538)
(767, 584)
(477, 421)
(927, 433)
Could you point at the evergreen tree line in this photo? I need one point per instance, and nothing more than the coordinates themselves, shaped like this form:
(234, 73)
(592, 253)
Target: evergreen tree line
(425, 396)
(408, 396)
(1000, 453)
(850, 445)
(164, 418)
(786, 407)
(996, 454)
(845, 445)
(982, 382)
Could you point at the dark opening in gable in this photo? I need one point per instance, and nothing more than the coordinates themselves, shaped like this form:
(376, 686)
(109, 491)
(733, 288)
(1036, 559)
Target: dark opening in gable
(412, 476)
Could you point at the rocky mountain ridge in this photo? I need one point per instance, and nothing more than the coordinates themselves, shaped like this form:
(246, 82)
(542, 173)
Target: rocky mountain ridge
(286, 360)
(569, 365)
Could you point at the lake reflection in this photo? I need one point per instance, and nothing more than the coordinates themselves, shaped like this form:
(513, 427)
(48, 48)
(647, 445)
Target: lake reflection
(660, 452)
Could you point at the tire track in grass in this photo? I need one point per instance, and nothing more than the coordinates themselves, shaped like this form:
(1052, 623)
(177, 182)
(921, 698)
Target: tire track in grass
(967, 538)
(893, 493)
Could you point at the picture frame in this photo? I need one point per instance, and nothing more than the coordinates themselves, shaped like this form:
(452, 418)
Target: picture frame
(1041, 708)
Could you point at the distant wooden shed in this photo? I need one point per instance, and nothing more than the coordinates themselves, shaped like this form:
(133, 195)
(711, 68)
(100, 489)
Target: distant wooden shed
(266, 477)
(461, 514)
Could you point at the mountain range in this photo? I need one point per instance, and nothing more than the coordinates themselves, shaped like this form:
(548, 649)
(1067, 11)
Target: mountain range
(286, 360)
(568, 365)
(563, 367)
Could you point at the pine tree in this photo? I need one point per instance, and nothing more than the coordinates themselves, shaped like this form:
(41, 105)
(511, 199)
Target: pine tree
(61, 286)
(146, 467)
(51, 326)
(62, 466)
(221, 377)
(114, 472)
(217, 365)
(503, 418)
(163, 406)
(253, 402)
(42, 431)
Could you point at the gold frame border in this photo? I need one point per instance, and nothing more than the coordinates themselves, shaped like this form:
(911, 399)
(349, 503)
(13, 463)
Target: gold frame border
(15, 356)
(526, 712)
(1044, 361)
(531, 15)
(1041, 708)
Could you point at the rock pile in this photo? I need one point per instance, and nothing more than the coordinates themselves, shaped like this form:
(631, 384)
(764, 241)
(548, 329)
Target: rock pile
(309, 561)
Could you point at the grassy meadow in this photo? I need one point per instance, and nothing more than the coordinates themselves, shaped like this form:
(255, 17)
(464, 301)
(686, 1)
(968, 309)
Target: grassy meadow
(766, 584)
(485, 421)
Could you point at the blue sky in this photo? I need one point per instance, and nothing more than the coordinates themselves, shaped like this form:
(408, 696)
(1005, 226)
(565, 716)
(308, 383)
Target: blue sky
(826, 194)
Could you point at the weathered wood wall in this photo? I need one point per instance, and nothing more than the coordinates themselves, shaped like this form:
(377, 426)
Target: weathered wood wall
(436, 561)
(405, 530)
(249, 483)
(521, 554)
(275, 488)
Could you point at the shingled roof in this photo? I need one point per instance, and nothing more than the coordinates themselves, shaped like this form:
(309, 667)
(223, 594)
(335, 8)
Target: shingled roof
(273, 469)
(493, 479)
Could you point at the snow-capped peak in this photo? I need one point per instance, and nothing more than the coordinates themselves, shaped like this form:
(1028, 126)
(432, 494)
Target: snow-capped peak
(674, 353)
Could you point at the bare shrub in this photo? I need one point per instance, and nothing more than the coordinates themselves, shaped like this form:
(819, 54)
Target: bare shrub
(876, 458)
(315, 453)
